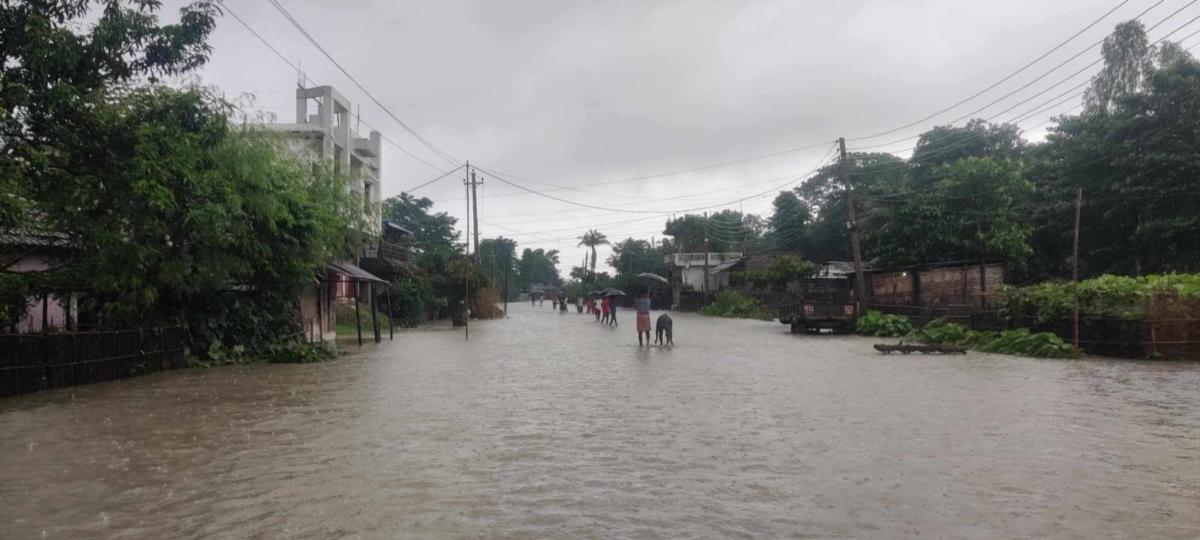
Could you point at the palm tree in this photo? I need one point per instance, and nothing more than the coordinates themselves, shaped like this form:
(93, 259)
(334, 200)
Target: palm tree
(591, 239)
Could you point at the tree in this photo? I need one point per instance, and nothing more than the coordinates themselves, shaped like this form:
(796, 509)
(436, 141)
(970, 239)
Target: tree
(1136, 163)
(875, 176)
(497, 257)
(790, 222)
(591, 239)
(431, 231)
(632, 257)
(171, 212)
(54, 75)
(976, 209)
(730, 230)
(1127, 63)
(538, 266)
(947, 144)
(687, 231)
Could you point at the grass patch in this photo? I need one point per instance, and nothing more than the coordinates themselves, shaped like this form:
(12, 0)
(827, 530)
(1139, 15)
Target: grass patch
(736, 305)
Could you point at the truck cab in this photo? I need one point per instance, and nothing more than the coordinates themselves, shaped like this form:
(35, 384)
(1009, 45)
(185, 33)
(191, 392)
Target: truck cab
(824, 303)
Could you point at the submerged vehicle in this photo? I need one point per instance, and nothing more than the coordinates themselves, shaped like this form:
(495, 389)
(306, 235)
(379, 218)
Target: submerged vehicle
(825, 303)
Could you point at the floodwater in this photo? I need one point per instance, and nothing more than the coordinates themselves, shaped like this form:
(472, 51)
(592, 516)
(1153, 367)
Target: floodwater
(548, 425)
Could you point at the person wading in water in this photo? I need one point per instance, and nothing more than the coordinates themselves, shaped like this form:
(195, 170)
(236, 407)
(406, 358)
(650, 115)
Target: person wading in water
(643, 317)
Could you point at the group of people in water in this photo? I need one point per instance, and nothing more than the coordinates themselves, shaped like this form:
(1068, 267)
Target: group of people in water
(605, 311)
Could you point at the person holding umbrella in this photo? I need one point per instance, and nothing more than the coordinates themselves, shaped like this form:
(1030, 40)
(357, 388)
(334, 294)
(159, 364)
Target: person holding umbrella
(643, 316)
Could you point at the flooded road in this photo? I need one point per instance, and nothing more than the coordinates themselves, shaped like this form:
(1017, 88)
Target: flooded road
(551, 426)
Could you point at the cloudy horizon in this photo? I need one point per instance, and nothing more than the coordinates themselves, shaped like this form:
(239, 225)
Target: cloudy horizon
(579, 99)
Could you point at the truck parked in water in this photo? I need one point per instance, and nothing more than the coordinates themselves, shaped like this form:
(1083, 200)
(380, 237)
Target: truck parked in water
(825, 303)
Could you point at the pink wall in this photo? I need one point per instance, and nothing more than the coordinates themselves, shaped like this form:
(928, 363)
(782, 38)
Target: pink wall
(55, 308)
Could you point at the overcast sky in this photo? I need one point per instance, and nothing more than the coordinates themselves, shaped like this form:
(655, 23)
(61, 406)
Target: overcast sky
(576, 94)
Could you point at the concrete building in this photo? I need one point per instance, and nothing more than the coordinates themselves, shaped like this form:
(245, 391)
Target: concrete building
(322, 131)
(688, 270)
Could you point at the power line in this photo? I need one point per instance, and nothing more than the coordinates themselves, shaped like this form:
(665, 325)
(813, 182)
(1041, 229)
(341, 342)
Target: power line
(1041, 107)
(1007, 77)
(444, 175)
(1047, 73)
(298, 70)
(384, 108)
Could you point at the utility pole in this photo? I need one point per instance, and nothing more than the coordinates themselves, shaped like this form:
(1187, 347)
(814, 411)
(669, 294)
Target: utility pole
(475, 205)
(1075, 264)
(467, 266)
(860, 283)
(706, 258)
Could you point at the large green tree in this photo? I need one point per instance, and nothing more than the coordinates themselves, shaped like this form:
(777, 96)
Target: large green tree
(790, 222)
(1134, 154)
(688, 232)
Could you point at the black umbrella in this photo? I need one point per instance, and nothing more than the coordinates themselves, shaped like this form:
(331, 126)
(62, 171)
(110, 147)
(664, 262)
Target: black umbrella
(650, 279)
(613, 292)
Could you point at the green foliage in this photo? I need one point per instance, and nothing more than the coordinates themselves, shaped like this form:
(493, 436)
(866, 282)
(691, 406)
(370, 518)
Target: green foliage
(737, 305)
(827, 238)
(874, 323)
(415, 301)
(590, 239)
(1024, 343)
(973, 208)
(537, 266)
(1109, 296)
(790, 222)
(432, 232)
(302, 353)
(1133, 152)
(632, 257)
(782, 270)
(687, 232)
(14, 299)
(1017, 342)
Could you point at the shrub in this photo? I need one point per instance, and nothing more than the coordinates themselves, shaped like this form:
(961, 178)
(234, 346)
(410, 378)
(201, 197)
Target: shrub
(874, 323)
(737, 305)
(1019, 342)
(302, 353)
(1121, 297)
(1022, 342)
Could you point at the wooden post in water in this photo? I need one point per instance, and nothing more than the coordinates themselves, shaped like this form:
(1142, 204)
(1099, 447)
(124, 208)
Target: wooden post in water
(391, 315)
(374, 311)
(357, 317)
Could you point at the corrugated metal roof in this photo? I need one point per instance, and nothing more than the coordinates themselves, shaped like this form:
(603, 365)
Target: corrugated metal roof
(355, 272)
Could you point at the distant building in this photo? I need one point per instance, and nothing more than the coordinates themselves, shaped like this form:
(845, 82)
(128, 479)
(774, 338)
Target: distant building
(325, 134)
(688, 269)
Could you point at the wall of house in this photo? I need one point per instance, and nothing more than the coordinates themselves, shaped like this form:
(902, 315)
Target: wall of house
(947, 286)
(694, 278)
(41, 313)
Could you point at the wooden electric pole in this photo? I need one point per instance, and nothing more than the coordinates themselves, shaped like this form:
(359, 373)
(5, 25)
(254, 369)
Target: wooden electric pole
(860, 282)
(1075, 265)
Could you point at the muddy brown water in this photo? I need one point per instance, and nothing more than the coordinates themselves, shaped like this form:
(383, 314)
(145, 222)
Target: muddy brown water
(548, 425)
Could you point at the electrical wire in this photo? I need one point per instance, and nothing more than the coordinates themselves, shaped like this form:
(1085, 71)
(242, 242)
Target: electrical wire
(1009, 76)
(295, 67)
(296, 24)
